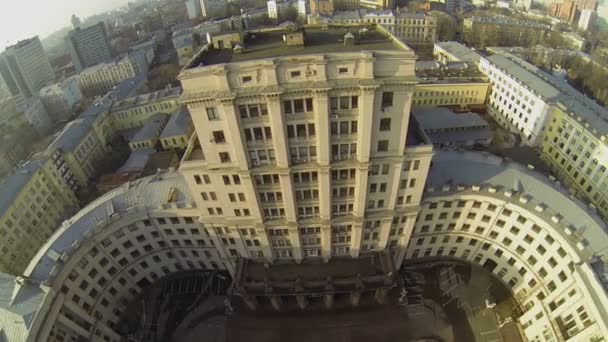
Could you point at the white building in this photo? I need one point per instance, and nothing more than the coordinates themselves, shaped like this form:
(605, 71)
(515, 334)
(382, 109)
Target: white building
(520, 99)
(213, 8)
(587, 19)
(193, 7)
(62, 99)
(37, 116)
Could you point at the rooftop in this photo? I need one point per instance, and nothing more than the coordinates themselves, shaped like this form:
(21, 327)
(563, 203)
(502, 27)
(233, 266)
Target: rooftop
(144, 99)
(13, 184)
(20, 303)
(150, 192)
(443, 126)
(269, 43)
(151, 129)
(460, 51)
(508, 21)
(178, 124)
(552, 89)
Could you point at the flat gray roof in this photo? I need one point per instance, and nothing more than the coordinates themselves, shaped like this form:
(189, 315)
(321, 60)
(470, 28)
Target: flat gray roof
(552, 89)
(149, 192)
(443, 118)
(460, 51)
(19, 306)
(269, 44)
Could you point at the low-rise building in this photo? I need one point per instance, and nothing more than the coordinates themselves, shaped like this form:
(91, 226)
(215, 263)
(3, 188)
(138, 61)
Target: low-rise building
(455, 94)
(501, 30)
(135, 111)
(83, 143)
(148, 135)
(62, 99)
(178, 131)
(445, 52)
(446, 128)
(100, 79)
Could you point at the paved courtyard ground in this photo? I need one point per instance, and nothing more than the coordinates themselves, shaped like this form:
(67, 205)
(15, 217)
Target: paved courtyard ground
(443, 301)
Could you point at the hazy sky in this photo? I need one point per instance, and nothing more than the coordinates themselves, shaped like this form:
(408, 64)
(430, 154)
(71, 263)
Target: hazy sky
(21, 19)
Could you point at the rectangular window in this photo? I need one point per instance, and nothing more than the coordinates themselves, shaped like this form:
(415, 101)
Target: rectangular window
(387, 99)
(385, 124)
(224, 157)
(382, 146)
(218, 137)
(212, 113)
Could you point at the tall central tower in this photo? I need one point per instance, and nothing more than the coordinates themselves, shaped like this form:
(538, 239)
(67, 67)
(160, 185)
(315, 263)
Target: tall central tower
(304, 145)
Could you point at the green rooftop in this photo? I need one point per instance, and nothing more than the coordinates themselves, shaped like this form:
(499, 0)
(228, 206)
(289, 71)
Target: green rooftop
(317, 40)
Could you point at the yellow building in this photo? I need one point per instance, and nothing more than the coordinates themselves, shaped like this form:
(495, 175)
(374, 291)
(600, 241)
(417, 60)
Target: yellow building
(575, 147)
(82, 145)
(451, 93)
(33, 203)
(134, 111)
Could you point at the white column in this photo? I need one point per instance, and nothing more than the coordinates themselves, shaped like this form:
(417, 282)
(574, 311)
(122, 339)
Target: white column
(322, 124)
(359, 204)
(324, 182)
(234, 134)
(277, 125)
(365, 123)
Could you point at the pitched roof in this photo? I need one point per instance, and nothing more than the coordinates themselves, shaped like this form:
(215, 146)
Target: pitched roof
(178, 124)
(19, 306)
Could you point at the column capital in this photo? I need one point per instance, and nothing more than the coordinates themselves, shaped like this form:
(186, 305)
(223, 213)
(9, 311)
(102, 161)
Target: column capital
(320, 92)
(368, 89)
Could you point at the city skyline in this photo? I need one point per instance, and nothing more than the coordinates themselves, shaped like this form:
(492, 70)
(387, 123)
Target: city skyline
(46, 17)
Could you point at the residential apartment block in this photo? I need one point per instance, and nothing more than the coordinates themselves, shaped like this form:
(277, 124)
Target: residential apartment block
(34, 201)
(454, 93)
(482, 31)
